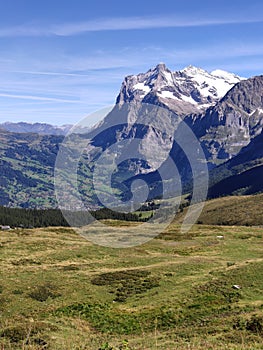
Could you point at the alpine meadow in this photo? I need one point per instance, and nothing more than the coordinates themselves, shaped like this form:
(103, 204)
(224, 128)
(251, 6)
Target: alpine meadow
(131, 187)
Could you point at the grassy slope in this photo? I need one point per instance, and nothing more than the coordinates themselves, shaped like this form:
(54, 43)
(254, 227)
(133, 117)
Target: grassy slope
(175, 292)
(232, 210)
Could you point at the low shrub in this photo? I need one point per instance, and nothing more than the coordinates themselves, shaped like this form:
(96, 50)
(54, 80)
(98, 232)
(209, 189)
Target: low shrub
(43, 292)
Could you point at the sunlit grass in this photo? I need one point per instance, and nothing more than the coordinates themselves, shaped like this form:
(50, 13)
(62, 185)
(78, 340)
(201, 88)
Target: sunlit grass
(59, 291)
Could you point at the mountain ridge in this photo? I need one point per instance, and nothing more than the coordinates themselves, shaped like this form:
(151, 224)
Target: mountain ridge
(225, 126)
(185, 91)
(38, 128)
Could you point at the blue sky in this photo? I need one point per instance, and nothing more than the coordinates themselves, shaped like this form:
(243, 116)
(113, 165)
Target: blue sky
(61, 60)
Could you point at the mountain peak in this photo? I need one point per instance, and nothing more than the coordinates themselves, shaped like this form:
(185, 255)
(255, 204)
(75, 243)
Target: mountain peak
(186, 91)
(220, 73)
(160, 67)
(192, 70)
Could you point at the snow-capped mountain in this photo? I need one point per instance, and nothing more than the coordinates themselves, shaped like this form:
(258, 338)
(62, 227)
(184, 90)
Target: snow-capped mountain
(224, 111)
(188, 93)
(190, 90)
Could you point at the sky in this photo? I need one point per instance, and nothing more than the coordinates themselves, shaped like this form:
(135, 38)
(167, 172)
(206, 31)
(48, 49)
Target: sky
(62, 60)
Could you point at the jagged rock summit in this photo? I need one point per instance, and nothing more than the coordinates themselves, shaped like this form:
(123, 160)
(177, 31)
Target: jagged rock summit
(224, 111)
(186, 91)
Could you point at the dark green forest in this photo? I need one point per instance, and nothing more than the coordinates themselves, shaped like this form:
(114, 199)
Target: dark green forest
(29, 218)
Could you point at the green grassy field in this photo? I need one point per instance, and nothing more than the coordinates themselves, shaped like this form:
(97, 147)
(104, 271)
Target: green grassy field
(58, 291)
(232, 210)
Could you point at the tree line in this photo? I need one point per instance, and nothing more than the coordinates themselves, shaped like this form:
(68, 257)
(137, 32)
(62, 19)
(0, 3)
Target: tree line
(29, 218)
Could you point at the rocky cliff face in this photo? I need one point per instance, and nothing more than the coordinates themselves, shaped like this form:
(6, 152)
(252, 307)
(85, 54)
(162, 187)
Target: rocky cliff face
(242, 174)
(230, 125)
(187, 91)
(224, 111)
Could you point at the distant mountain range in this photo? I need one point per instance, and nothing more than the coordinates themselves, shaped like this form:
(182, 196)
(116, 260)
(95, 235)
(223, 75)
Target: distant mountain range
(38, 128)
(224, 111)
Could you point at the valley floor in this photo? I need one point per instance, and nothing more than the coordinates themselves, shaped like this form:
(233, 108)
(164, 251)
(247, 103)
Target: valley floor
(200, 290)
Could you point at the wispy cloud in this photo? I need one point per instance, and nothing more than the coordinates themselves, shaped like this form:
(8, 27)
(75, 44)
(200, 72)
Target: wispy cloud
(220, 52)
(123, 23)
(143, 23)
(109, 66)
(38, 98)
(254, 67)
(51, 73)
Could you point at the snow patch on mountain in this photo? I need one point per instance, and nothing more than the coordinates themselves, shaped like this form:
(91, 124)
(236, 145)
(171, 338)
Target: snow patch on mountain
(215, 84)
(166, 94)
(144, 89)
(189, 90)
(257, 110)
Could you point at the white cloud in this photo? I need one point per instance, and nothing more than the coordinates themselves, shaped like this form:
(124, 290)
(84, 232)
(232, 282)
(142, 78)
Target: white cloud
(37, 98)
(59, 74)
(130, 23)
(73, 85)
(124, 23)
(227, 50)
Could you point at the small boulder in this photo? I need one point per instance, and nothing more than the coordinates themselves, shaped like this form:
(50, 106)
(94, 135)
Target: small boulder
(236, 286)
